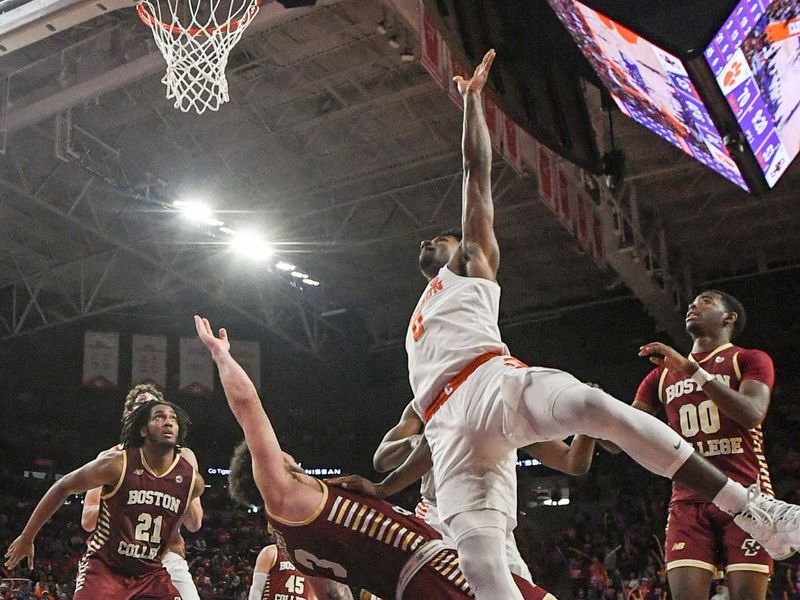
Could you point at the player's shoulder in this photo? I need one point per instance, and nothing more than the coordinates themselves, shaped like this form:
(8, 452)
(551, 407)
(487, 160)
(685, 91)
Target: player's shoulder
(750, 353)
(115, 453)
(654, 375)
(188, 455)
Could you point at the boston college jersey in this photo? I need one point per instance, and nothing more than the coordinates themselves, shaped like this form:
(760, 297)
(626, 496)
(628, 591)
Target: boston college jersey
(370, 544)
(734, 449)
(139, 516)
(366, 542)
(455, 321)
(285, 582)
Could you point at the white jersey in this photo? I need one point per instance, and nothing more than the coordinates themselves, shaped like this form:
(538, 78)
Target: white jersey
(455, 321)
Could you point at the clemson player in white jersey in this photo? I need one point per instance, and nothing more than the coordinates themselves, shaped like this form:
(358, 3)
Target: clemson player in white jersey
(401, 440)
(479, 403)
(174, 557)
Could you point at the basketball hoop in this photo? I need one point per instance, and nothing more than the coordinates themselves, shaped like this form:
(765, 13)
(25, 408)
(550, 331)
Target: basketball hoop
(196, 37)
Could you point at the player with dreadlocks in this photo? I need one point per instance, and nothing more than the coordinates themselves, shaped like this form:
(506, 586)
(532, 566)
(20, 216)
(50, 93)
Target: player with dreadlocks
(147, 488)
(174, 557)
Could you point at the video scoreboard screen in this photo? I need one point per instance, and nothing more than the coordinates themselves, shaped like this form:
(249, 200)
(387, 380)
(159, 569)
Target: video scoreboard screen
(754, 58)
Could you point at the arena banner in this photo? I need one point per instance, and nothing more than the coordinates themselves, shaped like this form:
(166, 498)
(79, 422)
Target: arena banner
(512, 139)
(248, 354)
(494, 121)
(544, 168)
(456, 68)
(196, 368)
(582, 214)
(598, 243)
(431, 55)
(149, 360)
(565, 211)
(100, 359)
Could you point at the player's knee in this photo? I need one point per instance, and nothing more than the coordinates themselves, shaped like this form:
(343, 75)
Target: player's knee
(479, 566)
(482, 570)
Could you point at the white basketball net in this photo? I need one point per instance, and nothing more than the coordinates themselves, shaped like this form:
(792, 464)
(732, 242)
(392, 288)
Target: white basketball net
(196, 37)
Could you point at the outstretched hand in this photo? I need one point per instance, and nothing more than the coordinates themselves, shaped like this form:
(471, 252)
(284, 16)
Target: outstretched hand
(18, 549)
(666, 356)
(357, 483)
(213, 343)
(479, 77)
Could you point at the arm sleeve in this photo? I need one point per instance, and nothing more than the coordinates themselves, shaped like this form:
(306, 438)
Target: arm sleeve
(258, 586)
(757, 365)
(648, 389)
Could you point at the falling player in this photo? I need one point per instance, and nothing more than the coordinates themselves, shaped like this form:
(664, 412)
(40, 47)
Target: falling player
(174, 558)
(147, 488)
(331, 532)
(716, 399)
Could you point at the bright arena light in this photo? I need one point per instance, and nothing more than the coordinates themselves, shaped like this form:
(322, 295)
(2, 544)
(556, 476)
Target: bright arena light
(194, 210)
(310, 282)
(251, 245)
(285, 266)
(299, 275)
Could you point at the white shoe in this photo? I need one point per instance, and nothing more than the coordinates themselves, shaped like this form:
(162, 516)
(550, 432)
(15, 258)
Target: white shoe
(773, 523)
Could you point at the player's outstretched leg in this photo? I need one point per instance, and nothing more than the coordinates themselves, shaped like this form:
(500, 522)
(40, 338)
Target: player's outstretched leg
(559, 405)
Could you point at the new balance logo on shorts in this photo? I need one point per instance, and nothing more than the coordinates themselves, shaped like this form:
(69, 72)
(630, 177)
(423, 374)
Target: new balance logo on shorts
(679, 545)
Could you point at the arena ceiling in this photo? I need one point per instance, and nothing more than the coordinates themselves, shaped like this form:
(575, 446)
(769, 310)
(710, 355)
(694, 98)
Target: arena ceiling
(344, 155)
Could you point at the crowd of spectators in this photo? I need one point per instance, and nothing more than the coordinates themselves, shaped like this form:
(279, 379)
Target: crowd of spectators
(606, 545)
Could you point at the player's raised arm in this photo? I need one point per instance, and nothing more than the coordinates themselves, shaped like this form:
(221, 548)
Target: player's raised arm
(398, 442)
(104, 470)
(479, 249)
(271, 476)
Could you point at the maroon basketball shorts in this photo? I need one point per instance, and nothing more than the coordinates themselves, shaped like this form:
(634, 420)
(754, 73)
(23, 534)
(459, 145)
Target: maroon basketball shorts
(101, 583)
(701, 535)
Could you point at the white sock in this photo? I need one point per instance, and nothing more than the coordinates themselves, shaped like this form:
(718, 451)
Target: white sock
(732, 498)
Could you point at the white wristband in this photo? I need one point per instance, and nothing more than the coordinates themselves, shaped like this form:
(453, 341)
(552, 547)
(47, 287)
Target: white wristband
(701, 377)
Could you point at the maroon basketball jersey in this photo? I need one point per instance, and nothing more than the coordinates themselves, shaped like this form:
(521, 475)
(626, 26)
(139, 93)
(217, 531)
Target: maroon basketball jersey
(734, 449)
(366, 542)
(139, 516)
(285, 582)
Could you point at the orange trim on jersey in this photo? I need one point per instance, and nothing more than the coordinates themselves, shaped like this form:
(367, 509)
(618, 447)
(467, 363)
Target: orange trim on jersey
(714, 352)
(121, 477)
(313, 515)
(736, 366)
(153, 473)
(455, 383)
(661, 385)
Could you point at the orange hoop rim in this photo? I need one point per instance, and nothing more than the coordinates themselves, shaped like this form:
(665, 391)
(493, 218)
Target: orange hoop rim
(151, 21)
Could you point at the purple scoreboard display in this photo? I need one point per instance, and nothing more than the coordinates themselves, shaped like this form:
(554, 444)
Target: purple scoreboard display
(755, 58)
(649, 85)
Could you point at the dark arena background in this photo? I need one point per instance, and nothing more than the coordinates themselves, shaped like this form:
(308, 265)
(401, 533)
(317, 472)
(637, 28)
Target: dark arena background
(292, 216)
